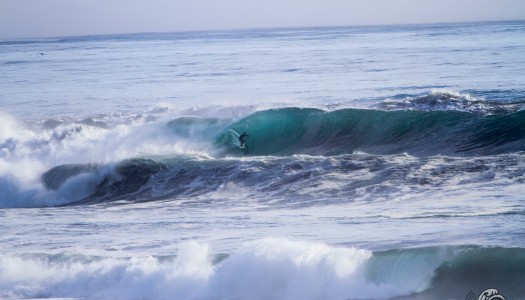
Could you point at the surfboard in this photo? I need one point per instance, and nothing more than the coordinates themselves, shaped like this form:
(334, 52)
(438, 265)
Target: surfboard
(234, 132)
(235, 139)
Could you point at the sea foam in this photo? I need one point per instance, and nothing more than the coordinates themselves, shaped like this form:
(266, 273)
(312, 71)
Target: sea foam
(270, 268)
(28, 151)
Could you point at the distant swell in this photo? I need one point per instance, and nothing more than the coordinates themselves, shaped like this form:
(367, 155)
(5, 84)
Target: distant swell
(501, 102)
(311, 131)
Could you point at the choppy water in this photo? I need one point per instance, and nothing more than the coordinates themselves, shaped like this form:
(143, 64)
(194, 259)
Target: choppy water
(381, 162)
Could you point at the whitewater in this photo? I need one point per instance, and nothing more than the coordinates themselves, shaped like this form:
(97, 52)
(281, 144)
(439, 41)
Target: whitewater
(382, 162)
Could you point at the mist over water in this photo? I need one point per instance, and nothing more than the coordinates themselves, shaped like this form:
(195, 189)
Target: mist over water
(380, 162)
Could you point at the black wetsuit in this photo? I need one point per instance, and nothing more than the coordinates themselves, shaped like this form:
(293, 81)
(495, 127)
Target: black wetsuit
(241, 139)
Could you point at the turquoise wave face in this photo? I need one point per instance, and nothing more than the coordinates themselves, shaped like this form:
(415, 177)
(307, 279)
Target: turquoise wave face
(273, 131)
(291, 131)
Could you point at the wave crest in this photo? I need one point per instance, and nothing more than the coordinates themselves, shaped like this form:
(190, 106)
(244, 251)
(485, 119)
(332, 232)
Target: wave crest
(444, 100)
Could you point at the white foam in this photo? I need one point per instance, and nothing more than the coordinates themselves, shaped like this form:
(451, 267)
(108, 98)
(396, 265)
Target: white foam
(26, 153)
(452, 93)
(444, 100)
(135, 278)
(270, 268)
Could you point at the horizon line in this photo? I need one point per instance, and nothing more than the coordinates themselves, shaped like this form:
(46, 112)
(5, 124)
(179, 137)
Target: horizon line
(262, 28)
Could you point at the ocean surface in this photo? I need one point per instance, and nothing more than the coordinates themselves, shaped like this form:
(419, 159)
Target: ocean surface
(381, 162)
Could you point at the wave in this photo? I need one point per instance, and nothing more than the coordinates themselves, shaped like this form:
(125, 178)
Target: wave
(290, 150)
(295, 181)
(270, 268)
(290, 131)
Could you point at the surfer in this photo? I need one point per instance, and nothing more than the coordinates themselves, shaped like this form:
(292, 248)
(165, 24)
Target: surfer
(241, 139)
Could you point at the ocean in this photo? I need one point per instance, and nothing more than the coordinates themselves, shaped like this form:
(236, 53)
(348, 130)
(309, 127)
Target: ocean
(381, 162)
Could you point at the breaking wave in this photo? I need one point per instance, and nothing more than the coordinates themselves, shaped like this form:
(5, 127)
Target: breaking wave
(290, 131)
(270, 268)
(291, 153)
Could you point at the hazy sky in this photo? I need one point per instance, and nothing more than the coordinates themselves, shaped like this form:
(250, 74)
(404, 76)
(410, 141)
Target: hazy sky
(46, 18)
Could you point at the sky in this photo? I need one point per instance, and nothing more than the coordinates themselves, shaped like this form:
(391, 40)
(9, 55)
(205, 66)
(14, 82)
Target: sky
(52, 18)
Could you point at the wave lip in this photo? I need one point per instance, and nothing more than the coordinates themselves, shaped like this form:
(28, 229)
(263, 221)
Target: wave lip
(57, 176)
(123, 179)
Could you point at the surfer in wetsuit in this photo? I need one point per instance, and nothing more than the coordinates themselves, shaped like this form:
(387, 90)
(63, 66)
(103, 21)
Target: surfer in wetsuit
(241, 139)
